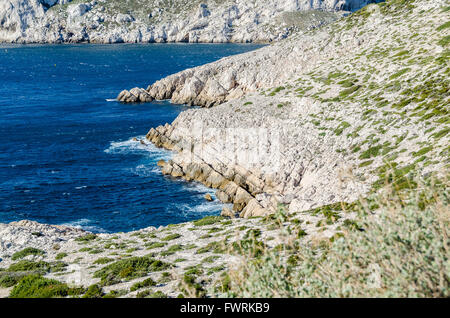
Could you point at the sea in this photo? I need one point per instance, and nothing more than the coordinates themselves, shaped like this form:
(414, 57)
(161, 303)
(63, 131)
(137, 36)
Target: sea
(68, 154)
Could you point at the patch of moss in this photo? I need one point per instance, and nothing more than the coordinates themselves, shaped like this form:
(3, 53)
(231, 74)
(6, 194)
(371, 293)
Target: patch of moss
(342, 126)
(371, 152)
(349, 91)
(277, 90)
(422, 151)
(444, 41)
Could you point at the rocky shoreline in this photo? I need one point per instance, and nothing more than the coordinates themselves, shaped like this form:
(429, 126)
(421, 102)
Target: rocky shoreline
(237, 185)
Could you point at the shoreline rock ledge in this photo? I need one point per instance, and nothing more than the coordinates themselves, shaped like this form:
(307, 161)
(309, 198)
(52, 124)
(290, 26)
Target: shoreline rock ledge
(235, 185)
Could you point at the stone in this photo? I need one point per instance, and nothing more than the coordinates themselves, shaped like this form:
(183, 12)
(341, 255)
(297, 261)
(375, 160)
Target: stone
(161, 163)
(214, 180)
(223, 197)
(226, 212)
(208, 197)
(242, 196)
(253, 208)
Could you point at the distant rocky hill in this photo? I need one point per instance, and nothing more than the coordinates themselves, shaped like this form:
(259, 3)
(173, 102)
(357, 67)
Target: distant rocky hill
(135, 21)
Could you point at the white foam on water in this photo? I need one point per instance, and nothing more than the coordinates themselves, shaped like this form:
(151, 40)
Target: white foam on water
(134, 145)
(200, 209)
(84, 225)
(151, 154)
(111, 99)
(146, 170)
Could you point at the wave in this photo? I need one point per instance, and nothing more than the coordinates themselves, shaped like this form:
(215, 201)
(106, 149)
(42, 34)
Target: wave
(84, 225)
(205, 208)
(134, 145)
(146, 170)
(111, 99)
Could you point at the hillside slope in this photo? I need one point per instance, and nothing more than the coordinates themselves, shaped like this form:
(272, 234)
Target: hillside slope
(318, 118)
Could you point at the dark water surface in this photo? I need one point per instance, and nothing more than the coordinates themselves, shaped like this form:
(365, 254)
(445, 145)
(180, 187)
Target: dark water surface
(66, 150)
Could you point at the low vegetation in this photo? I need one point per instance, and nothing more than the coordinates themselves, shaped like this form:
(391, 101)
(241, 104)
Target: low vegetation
(402, 251)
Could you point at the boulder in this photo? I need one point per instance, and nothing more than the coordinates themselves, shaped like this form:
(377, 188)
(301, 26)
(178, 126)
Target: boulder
(226, 212)
(223, 197)
(253, 208)
(214, 180)
(161, 163)
(124, 18)
(242, 196)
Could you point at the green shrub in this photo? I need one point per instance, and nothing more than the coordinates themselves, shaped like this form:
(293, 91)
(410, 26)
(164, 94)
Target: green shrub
(145, 283)
(103, 260)
(86, 238)
(61, 256)
(208, 220)
(94, 291)
(9, 279)
(128, 269)
(172, 250)
(171, 237)
(154, 245)
(150, 294)
(29, 266)
(403, 252)
(27, 251)
(35, 286)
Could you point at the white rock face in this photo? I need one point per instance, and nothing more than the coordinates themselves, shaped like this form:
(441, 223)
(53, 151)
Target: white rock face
(54, 21)
(77, 10)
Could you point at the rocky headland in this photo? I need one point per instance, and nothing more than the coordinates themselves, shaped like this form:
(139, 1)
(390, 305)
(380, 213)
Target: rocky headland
(291, 136)
(314, 118)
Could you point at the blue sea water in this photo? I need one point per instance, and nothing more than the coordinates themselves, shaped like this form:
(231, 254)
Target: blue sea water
(67, 154)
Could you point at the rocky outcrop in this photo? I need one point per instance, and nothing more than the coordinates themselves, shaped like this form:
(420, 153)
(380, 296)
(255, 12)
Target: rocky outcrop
(235, 185)
(106, 21)
(135, 95)
(17, 235)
